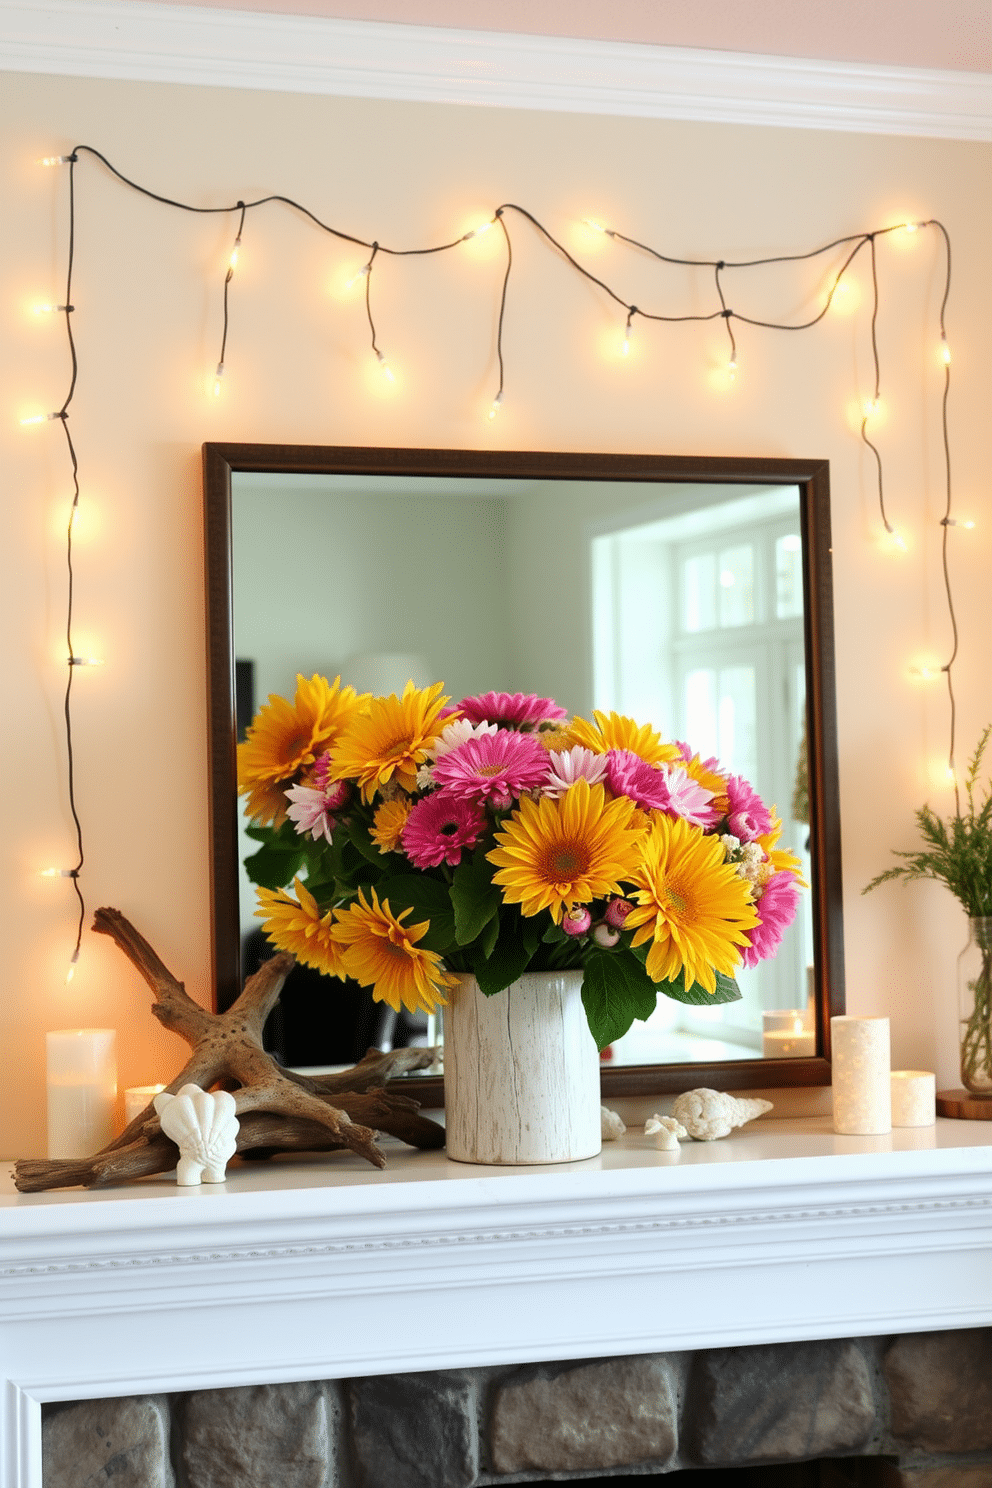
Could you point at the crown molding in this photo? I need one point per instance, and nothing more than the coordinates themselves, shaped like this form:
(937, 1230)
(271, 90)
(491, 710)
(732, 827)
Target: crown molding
(131, 40)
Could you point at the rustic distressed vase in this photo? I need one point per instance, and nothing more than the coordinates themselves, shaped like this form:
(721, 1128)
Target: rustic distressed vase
(521, 1072)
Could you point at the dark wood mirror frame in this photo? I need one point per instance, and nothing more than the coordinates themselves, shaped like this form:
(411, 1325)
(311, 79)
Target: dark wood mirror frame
(220, 461)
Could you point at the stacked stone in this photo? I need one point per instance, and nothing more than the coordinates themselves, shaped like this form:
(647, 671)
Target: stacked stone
(920, 1406)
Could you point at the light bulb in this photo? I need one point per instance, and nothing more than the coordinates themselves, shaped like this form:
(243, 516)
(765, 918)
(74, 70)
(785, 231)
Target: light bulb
(51, 309)
(72, 966)
(967, 523)
(58, 873)
(232, 262)
(495, 406)
(625, 348)
(218, 378)
(925, 673)
(476, 232)
(362, 274)
(55, 160)
(895, 538)
(387, 370)
(597, 226)
(732, 368)
(912, 227)
(40, 418)
(85, 661)
(945, 350)
(869, 408)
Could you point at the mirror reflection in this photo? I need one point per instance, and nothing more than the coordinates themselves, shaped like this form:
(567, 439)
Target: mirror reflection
(681, 605)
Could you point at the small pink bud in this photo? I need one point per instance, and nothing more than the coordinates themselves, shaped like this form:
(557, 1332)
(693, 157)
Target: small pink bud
(577, 921)
(501, 801)
(616, 913)
(336, 794)
(605, 937)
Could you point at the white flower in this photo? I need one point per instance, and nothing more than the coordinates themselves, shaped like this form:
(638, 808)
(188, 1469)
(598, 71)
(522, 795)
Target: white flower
(570, 765)
(457, 732)
(425, 778)
(308, 811)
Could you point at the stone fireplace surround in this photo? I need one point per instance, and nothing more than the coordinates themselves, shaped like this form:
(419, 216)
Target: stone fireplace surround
(680, 1290)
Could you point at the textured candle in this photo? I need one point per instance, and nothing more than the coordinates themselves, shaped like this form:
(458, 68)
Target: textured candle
(786, 1034)
(861, 1090)
(914, 1098)
(82, 1090)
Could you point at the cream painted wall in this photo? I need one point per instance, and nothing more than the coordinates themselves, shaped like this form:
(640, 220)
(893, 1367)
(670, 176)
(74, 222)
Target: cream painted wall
(147, 322)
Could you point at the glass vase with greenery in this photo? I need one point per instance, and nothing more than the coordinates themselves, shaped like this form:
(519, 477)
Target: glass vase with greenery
(958, 852)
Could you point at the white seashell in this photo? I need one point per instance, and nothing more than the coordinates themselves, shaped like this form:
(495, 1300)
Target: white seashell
(667, 1132)
(611, 1126)
(204, 1127)
(709, 1114)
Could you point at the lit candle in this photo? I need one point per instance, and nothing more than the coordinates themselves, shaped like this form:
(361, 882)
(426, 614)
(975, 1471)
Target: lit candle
(861, 1088)
(136, 1098)
(82, 1090)
(914, 1098)
(786, 1034)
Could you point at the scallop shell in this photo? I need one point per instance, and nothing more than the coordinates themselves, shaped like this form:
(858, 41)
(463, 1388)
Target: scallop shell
(709, 1114)
(204, 1127)
(667, 1132)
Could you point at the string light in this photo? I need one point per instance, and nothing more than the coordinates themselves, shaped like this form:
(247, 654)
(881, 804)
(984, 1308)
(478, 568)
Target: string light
(59, 873)
(955, 522)
(42, 418)
(53, 309)
(72, 966)
(850, 245)
(85, 661)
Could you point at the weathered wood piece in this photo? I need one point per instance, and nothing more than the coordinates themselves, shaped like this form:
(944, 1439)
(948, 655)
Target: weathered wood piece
(277, 1110)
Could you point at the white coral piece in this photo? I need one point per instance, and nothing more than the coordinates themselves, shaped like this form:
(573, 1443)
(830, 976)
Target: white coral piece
(204, 1128)
(709, 1114)
(667, 1132)
(611, 1126)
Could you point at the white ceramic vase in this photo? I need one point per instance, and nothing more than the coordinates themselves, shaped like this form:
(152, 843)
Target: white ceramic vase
(521, 1072)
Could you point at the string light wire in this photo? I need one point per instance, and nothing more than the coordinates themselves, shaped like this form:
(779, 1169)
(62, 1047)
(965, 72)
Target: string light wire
(854, 243)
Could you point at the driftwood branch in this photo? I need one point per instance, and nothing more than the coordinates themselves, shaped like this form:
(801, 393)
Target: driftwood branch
(278, 1110)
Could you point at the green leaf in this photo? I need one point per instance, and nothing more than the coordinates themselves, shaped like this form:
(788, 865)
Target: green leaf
(429, 900)
(273, 867)
(508, 961)
(359, 835)
(615, 990)
(490, 935)
(474, 897)
(727, 990)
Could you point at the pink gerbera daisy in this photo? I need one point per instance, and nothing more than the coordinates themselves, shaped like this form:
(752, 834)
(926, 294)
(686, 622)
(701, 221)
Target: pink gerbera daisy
(628, 775)
(495, 768)
(777, 910)
(512, 709)
(308, 811)
(747, 815)
(439, 826)
(566, 766)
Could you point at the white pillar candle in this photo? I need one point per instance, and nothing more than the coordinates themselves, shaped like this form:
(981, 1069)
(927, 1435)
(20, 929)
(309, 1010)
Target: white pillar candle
(862, 1095)
(136, 1098)
(82, 1090)
(914, 1098)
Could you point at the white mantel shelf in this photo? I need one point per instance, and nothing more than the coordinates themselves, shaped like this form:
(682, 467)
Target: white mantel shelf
(325, 1268)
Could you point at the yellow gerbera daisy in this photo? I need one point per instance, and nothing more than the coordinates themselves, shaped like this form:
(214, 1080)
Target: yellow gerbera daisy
(781, 858)
(554, 853)
(286, 738)
(692, 905)
(379, 951)
(390, 819)
(614, 731)
(297, 925)
(389, 737)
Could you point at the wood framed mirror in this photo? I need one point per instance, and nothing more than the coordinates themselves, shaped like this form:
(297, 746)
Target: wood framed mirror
(692, 593)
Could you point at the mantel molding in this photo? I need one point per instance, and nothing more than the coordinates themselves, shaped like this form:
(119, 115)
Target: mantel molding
(128, 39)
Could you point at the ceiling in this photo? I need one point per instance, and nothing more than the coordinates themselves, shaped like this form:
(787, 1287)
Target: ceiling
(943, 34)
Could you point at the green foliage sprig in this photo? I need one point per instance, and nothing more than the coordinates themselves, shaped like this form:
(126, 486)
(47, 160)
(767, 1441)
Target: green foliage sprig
(957, 852)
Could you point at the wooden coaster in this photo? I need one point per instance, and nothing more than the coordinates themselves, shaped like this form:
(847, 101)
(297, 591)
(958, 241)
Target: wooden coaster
(964, 1105)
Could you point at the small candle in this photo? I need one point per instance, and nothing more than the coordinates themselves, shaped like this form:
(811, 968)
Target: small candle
(862, 1096)
(82, 1090)
(914, 1098)
(136, 1098)
(786, 1034)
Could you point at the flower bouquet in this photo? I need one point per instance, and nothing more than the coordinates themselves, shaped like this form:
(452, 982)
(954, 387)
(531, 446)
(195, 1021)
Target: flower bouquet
(405, 841)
